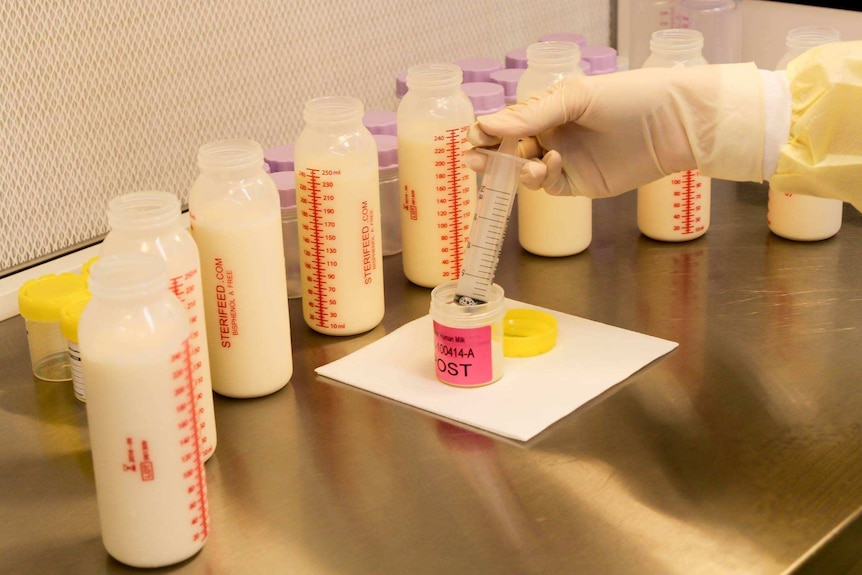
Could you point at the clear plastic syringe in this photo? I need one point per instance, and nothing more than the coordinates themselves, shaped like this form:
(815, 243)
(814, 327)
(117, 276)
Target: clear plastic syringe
(496, 196)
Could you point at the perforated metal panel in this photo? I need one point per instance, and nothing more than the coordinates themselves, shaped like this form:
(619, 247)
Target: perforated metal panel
(103, 98)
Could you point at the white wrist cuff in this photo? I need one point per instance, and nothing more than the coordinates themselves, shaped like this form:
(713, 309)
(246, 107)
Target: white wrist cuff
(776, 107)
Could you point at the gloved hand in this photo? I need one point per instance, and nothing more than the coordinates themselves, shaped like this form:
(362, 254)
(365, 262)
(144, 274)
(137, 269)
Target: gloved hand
(600, 136)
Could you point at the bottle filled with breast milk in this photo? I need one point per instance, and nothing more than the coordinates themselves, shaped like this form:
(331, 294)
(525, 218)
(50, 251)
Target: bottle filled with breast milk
(236, 222)
(675, 208)
(438, 191)
(796, 216)
(552, 226)
(149, 222)
(338, 212)
(143, 413)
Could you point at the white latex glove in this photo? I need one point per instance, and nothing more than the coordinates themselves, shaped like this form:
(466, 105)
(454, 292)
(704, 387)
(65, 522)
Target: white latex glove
(600, 136)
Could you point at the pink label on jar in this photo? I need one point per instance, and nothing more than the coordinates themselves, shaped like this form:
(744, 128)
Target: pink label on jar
(463, 357)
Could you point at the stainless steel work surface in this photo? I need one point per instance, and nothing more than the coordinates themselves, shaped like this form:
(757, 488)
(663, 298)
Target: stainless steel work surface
(738, 452)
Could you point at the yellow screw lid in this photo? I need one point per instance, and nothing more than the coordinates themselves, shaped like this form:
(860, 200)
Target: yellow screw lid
(70, 315)
(528, 332)
(85, 269)
(42, 298)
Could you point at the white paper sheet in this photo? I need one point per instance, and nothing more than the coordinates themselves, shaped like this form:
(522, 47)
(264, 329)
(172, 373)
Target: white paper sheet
(534, 392)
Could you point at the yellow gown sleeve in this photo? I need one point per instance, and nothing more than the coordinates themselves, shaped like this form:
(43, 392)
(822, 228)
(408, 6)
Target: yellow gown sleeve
(823, 156)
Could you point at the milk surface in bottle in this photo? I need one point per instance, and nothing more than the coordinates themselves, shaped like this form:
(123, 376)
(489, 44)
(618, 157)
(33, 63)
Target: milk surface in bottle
(142, 413)
(795, 216)
(149, 222)
(236, 223)
(338, 211)
(549, 225)
(675, 208)
(438, 190)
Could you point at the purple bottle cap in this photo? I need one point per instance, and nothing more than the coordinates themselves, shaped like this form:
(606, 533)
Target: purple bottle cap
(516, 58)
(401, 85)
(578, 39)
(279, 158)
(286, 184)
(487, 97)
(387, 151)
(478, 69)
(266, 168)
(508, 79)
(381, 122)
(602, 59)
(586, 67)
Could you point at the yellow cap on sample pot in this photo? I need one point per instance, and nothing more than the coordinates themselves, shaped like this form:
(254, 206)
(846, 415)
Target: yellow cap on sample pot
(85, 269)
(528, 332)
(40, 301)
(42, 298)
(70, 315)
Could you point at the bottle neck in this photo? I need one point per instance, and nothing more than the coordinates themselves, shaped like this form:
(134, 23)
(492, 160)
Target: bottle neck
(129, 277)
(333, 112)
(141, 211)
(707, 5)
(677, 44)
(553, 56)
(434, 79)
(801, 39)
(231, 159)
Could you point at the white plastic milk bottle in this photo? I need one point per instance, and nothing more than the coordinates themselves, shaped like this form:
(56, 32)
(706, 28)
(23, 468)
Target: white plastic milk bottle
(675, 208)
(338, 212)
(438, 191)
(236, 222)
(794, 216)
(549, 225)
(143, 413)
(149, 222)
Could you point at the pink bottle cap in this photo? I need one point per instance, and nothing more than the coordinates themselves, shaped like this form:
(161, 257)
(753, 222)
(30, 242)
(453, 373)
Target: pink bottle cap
(380, 122)
(487, 97)
(286, 184)
(401, 85)
(602, 59)
(516, 58)
(508, 79)
(387, 151)
(478, 69)
(279, 158)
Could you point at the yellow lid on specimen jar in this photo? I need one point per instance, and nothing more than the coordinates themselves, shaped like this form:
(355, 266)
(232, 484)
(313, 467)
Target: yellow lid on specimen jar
(528, 332)
(85, 269)
(41, 299)
(70, 316)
